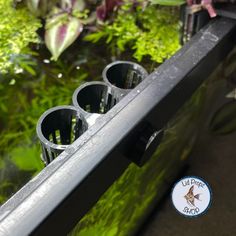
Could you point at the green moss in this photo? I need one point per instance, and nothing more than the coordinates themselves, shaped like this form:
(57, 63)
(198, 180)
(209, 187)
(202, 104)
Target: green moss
(153, 32)
(18, 28)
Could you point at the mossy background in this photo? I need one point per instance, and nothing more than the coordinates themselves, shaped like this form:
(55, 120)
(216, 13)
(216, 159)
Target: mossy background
(18, 28)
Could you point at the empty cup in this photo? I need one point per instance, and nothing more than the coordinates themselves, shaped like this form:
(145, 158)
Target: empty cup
(57, 128)
(93, 99)
(123, 76)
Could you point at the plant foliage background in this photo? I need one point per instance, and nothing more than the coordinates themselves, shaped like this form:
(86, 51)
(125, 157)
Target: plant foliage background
(17, 30)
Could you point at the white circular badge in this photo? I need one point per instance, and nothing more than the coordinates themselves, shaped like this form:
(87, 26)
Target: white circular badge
(191, 196)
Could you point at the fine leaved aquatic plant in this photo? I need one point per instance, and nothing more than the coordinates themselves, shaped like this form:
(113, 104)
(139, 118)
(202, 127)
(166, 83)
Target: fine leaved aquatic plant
(150, 31)
(17, 30)
(168, 2)
(63, 21)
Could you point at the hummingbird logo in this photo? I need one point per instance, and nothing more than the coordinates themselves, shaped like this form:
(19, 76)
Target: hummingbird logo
(190, 197)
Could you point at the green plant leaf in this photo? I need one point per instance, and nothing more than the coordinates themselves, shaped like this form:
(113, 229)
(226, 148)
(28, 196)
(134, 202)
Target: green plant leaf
(41, 7)
(38, 7)
(27, 158)
(224, 120)
(17, 30)
(74, 4)
(2, 163)
(60, 34)
(153, 32)
(168, 2)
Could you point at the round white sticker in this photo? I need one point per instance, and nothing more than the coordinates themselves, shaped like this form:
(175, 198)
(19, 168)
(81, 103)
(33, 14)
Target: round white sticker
(191, 196)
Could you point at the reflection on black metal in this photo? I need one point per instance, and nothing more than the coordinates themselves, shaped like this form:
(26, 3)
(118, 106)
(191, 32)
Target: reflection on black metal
(48, 205)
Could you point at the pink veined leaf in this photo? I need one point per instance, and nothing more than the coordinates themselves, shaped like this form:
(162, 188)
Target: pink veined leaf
(106, 8)
(207, 4)
(61, 35)
(110, 4)
(101, 12)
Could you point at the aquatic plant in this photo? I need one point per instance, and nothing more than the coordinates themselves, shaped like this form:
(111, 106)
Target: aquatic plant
(168, 2)
(18, 29)
(64, 20)
(151, 31)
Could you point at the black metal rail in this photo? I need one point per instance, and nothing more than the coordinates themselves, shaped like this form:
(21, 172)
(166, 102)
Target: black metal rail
(226, 10)
(54, 201)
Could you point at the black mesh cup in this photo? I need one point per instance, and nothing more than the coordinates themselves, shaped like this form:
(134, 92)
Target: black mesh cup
(93, 99)
(57, 128)
(123, 76)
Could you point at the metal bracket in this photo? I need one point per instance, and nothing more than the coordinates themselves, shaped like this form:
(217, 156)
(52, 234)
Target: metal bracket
(226, 10)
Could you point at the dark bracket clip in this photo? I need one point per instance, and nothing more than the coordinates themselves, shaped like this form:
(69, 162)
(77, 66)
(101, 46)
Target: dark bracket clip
(146, 144)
